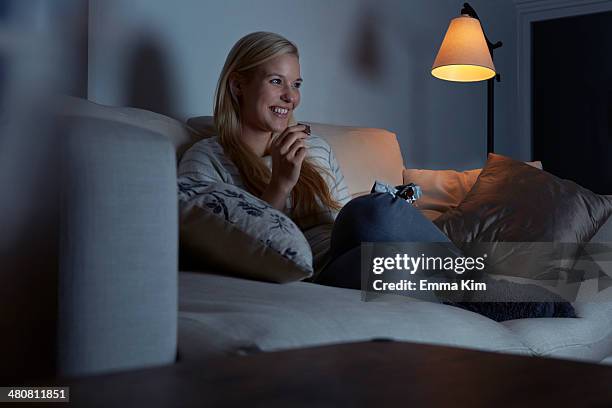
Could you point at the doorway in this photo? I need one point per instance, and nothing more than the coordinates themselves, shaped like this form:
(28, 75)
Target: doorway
(572, 98)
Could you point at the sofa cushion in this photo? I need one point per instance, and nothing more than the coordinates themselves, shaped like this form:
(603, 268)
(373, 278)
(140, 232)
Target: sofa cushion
(223, 225)
(607, 360)
(180, 136)
(605, 232)
(589, 337)
(364, 154)
(513, 202)
(220, 314)
(443, 190)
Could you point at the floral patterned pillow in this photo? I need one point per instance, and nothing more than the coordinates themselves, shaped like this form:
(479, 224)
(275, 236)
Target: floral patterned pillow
(224, 226)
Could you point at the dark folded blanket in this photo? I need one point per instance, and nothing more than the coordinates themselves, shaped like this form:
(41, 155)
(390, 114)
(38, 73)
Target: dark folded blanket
(502, 311)
(520, 301)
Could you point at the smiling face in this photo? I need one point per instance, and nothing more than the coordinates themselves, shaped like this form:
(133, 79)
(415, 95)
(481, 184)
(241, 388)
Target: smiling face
(269, 94)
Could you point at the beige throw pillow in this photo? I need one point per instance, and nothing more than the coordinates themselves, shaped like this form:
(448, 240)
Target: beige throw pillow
(444, 189)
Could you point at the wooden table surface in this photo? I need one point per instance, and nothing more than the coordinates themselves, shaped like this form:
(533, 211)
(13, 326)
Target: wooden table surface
(368, 374)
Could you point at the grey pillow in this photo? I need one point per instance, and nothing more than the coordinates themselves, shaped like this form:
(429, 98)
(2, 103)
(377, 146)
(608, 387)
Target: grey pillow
(514, 202)
(226, 227)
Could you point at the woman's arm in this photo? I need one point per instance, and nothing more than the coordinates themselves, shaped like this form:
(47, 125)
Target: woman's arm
(198, 168)
(288, 152)
(275, 196)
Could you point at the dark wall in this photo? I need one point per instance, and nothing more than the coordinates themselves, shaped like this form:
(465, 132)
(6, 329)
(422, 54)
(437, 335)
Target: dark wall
(572, 98)
(365, 63)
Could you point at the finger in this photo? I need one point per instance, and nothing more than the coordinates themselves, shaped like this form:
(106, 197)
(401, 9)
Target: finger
(306, 128)
(299, 142)
(280, 140)
(300, 127)
(300, 155)
(295, 149)
(277, 141)
(291, 140)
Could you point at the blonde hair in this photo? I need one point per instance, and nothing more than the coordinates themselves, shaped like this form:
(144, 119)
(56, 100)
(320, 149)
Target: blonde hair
(249, 52)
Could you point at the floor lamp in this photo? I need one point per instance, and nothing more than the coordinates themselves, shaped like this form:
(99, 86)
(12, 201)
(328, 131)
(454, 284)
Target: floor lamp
(466, 55)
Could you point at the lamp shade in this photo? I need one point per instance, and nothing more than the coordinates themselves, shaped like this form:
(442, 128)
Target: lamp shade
(464, 55)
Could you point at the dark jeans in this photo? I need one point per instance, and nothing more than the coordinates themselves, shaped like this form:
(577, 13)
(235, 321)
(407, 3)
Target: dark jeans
(377, 217)
(380, 217)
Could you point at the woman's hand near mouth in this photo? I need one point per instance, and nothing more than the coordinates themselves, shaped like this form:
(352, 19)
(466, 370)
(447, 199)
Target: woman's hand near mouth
(288, 151)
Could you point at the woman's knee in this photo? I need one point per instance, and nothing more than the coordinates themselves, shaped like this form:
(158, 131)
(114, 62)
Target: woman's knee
(380, 217)
(374, 210)
(365, 219)
(368, 208)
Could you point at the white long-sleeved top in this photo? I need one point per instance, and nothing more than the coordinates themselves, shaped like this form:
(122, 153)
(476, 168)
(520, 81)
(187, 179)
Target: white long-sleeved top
(207, 162)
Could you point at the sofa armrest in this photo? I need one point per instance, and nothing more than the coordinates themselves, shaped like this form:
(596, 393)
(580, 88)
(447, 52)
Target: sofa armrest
(118, 279)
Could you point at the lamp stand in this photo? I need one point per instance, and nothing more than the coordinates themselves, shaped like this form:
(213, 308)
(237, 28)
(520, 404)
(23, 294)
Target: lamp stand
(468, 10)
(490, 115)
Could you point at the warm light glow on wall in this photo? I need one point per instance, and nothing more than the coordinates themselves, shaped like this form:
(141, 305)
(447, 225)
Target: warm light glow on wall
(464, 55)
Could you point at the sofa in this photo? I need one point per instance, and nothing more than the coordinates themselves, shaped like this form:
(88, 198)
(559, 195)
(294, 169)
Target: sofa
(124, 303)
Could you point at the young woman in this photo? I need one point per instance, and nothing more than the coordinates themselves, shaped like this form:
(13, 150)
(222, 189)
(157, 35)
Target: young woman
(261, 149)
